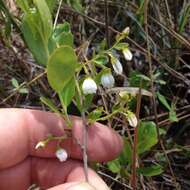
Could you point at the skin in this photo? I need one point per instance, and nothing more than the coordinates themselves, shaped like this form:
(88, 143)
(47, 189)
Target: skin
(22, 165)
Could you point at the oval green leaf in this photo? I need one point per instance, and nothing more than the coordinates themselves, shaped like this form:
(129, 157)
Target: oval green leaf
(147, 136)
(150, 171)
(61, 67)
(67, 93)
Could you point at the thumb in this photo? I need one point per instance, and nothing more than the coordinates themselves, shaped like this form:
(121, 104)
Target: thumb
(81, 186)
(77, 186)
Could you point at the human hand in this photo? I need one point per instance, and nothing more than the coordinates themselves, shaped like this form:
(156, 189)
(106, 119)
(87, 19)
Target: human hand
(22, 165)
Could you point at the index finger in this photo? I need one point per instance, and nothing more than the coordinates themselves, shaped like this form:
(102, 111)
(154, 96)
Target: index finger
(22, 129)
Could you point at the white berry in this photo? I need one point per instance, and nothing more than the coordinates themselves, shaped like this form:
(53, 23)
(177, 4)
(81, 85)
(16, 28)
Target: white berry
(118, 68)
(127, 54)
(107, 80)
(61, 154)
(89, 86)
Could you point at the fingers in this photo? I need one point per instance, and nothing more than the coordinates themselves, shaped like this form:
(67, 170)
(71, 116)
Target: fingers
(16, 177)
(49, 172)
(95, 182)
(75, 186)
(44, 172)
(22, 129)
(14, 141)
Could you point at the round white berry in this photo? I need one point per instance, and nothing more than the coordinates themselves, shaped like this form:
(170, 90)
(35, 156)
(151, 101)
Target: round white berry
(61, 154)
(107, 80)
(132, 119)
(118, 68)
(127, 54)
(89, 86)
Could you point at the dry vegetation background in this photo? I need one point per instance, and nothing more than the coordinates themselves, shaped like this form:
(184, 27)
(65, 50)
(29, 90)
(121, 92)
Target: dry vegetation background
(168, 53)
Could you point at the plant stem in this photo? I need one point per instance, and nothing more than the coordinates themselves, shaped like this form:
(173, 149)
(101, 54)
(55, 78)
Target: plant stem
(134, 155)
(85, 135)
(134, 160)
(85, 141)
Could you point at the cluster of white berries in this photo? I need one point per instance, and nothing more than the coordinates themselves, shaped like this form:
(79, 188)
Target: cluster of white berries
(89, 86)
(117, 66)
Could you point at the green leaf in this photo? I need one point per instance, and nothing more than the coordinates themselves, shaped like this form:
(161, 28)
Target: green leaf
(172, 114)
(61, 36)
(14, 82)
(45, 17)
(65, 39)
(102, 45)
(61, 67)
(95, 114)
(23, 4)
(50, 104)
(162, 131)
(114, 166)
(31, 28)
(87, 101)
(101, 60)
(120, 37)
(126, 155)
(51, 45)
(60, 28)
(121, 46)
(135, 79)
(151, 170)
(147, 136)
(185, 14)
(67, 93)
(51, 4)
(78, 102)
(163, 100)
